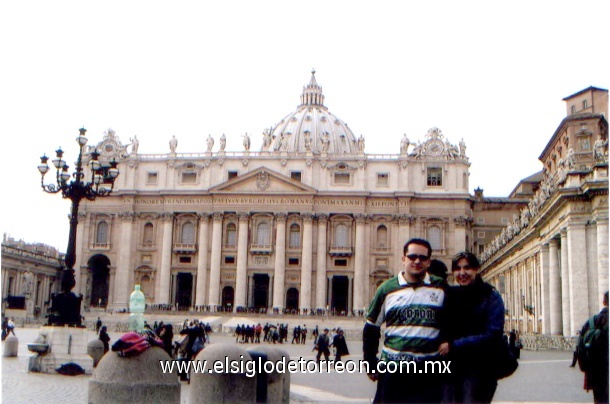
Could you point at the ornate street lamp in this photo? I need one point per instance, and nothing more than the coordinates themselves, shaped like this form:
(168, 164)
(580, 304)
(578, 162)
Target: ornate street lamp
(65, 307)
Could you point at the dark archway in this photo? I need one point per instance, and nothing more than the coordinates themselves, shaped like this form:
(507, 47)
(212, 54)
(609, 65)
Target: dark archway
(340, 293)
(261, 291)
(228, 295)
(184, 289)
(292, 299)
(98, 284)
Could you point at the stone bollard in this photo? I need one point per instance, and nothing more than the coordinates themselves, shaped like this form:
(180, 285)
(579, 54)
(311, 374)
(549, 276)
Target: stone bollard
(270, 385)
(11, 346)
(222, 387)
(286, 378)
(95, 349)
(135, 379)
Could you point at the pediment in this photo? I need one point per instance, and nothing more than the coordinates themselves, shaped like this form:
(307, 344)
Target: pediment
(263, 180)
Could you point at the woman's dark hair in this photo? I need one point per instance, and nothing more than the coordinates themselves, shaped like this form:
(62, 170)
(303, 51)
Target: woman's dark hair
(472, 259)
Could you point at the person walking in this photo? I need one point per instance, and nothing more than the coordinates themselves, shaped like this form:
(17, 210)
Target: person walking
(411, 304)
(105, 338)
(98, 325)
(10, 327)
(340, 345)
(476, 325)
(322, 345)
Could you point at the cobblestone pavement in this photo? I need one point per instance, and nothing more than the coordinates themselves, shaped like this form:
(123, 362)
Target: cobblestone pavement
(542, 377)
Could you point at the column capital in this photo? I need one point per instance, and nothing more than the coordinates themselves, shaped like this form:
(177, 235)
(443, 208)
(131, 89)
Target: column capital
(322, 217)
(243, 216)
(82, 215)
(280, 216)
(544, 247)
(307, 217)
(218, 216)
(127, 216)
(361, 218)
(405, 219)
(460, 221)
(166, 216)
(203, 216)
(564, 232)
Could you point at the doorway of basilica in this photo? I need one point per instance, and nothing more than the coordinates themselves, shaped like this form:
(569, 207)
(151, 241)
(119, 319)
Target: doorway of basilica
(98, 285)
(340, 293)
(184, 289)
(228, 295)
(261, 291)
(292, 299)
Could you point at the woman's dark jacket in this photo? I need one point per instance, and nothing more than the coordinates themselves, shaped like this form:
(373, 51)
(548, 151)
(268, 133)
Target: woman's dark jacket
(476, 326)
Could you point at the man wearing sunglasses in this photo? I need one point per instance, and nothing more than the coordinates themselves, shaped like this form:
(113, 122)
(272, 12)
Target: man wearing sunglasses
(411, 304)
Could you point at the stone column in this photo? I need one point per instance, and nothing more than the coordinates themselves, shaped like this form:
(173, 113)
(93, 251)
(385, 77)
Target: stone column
(270, 292)
(602, 259)
(330, 291)
(111, 278)
(404, 229)
(566, 304)
(360, 254)
(250, 301)
(459, 238)
(79, 286)
(544, 289)
(321, 263)
(214, 295)
(592, 277)
(555, 313)
(166, 259)
(577, 272)
(122, 284)
(280, 261)
(350, 294)
(306, 261)
(242, 262)
(202, 258)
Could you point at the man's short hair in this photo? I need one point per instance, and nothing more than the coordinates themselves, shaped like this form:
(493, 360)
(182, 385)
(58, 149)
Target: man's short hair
(418, 241)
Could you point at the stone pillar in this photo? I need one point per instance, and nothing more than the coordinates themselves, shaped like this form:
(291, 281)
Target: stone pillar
(602, 259)
(566, 304)
(306, 261)
(592, 277)
(321, 263)
(250, 286)
(544, 289)
(577, 272)
(202, 258)
(280, 261)
(360, 254)
(242, 262)
(404, 230)
(350, 294)
(166, 259)
(330, 291)
(270, 292)
(111, 278)
(459, 239)
(122, 284)
(555, 313)
(214, 295)
(79, 286)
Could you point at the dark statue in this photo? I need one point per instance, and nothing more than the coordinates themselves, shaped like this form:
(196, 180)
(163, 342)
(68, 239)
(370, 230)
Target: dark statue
(65, 306)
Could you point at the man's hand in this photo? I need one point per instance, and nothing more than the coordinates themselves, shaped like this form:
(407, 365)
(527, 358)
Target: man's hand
(372, 376)
(443, 348)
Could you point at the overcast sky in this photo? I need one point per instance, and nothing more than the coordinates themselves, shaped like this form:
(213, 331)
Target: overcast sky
(493, 73)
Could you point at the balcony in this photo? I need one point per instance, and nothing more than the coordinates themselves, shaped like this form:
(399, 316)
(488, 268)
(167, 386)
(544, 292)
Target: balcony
(340, 251)
(261, 249)
(182, 248)
(148, 247)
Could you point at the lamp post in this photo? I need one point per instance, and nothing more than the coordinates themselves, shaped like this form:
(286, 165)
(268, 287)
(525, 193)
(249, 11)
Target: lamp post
(65, 307)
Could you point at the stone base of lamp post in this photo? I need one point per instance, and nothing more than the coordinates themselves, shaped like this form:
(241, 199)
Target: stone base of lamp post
(66, 345)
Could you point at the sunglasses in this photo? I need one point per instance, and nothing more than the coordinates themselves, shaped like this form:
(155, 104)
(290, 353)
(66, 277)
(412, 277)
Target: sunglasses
(415, 257)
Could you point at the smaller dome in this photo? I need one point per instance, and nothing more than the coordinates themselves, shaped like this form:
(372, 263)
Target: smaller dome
(312, 127)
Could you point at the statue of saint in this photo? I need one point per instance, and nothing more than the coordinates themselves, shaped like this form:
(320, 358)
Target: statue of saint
(210, 142)
(600, 150)
(28, 283)
(266, 139)
(361, 143)
(173, 143)
(404, 144)
(135, 143)
(462, 148)
(223, 142)
(246, 139)
(325, 142)
(307, 141)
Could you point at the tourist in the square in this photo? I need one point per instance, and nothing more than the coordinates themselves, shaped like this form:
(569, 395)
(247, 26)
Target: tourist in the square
(4, 328)
(166, 333)
(303, 334)
(10, 327)
(322, 345)
(593, 357)
(105, 338)
(413, 337)
(339, 345)
(475, 331)
(98, 325)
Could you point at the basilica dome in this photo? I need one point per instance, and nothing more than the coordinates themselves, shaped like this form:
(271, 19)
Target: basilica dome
(311, 127)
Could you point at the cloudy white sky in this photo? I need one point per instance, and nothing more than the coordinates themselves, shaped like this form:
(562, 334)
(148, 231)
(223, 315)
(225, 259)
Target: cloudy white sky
(493, 73)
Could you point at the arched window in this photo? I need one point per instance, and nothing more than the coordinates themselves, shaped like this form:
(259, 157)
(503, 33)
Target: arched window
(263, 236)
(148, 233)
(382, 236)
(434, 237)
(295, 236)
(101, 236)
(188, 233)
(342, 236)
(231, 234)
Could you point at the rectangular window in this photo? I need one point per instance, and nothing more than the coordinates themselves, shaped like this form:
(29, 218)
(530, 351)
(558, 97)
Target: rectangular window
(481, 234)
(293, 261)
(573, 109)
(383, 179)
(147, 258)
(152, 178)
(232, 174)
(189, 178)
(295, 175)
(229, 260)
(435, 176)
(481, 249)
(342, 178)
(185, 260)
(340, 263)
(585, 104)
